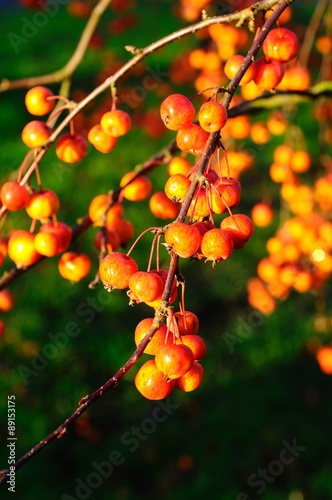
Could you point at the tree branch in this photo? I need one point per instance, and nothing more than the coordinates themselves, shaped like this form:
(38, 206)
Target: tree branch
(71, 66)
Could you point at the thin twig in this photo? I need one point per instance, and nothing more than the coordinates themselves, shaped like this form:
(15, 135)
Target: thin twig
(71, 66)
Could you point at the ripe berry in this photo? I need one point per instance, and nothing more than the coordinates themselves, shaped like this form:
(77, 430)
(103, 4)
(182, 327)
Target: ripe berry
(37, 100)
(43, 204)
(61, 230)
(240, 227)
(184, 240)
(21, 248)
(179, 165)
(6, 300)
(100, 140)
(177, 112)
(152, 383)
(98, 207)
(74, 266)
(281, 44)
(47, 244)
(158, 339)
(174, 360)
(188, 323)
(145, 286)
(116, 123)
(192, 139)
(176, 187)
(137, 190)
(71, 148)
(192, 379)
(262, 214)
(269, 73)
(212, 116)
(36, 133)
(162, 207)
(216, 245)
(324, 358)
(195, 343)
(228, 194)
(116, 269)
(14, 196)
(232, 66)
(112, 240)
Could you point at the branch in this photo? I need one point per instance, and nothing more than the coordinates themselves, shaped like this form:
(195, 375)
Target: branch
(71, 66)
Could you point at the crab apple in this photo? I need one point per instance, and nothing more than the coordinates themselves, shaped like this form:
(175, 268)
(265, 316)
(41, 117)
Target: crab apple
(14, 196)
(177, 111)
(216, 245)
(228, 194)
(115, 270)
(192, 379)
(281, 44)
(184, 240)
(174, 360)
(192, 139)
(269, 73)
(146, 286)
(232, 66)
(163, 207)
(71, 148)
(111, 240)
(43, 204)
(123, 228)
(262, 214)
(195, 343)
(6, 300)
(38, 102)
(47, 244)
(324, 359)
(179, 165)
(159, 338)
(21, 248)
(103, 142)
(176, 187)
(116, 123)
(212, 116)
(74, 266)
(98, 207)
(2, 328)
(240, 227)
(61, 230)
(188, 323)
(36, 133)
(152, 383)
(173, 294)
(136, 190)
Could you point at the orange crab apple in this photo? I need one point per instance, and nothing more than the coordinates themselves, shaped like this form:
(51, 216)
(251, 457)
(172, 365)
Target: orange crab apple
(177, 112)
(38, 102)
(74, 266)
(174, 360)
(152, 383)
(116, 269)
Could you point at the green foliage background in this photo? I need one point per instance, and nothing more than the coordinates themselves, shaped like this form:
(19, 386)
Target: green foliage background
(260, 392)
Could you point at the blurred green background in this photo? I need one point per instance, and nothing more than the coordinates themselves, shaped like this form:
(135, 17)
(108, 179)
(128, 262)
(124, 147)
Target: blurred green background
(259, 396)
